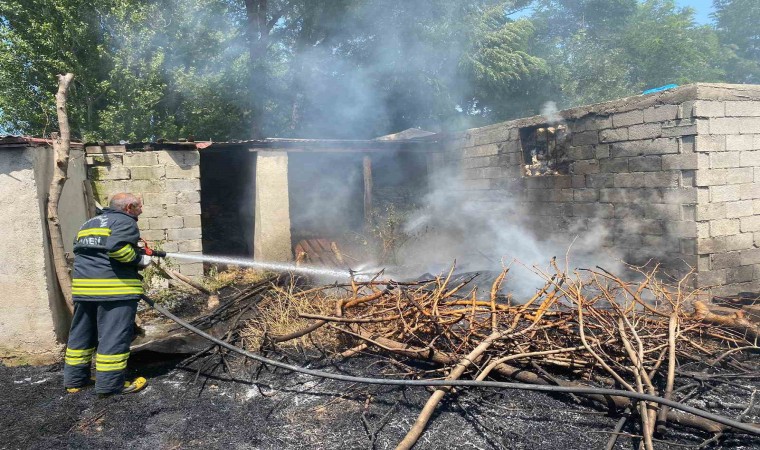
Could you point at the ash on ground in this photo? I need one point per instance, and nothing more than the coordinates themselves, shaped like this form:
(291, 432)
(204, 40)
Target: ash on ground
(267, 409)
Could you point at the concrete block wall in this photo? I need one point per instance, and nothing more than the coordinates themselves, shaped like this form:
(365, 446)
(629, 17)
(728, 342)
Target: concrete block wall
(668, 176)
(169, 183)
(631, 178)
(728, 181)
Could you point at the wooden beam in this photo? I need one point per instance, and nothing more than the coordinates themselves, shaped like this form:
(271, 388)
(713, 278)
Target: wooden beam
(367, 190)
(89, 199)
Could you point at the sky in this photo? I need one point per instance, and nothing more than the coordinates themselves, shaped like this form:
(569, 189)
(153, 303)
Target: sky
(703, 9)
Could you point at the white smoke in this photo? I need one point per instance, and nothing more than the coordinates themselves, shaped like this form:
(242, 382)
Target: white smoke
(551, 113)
(483, 230)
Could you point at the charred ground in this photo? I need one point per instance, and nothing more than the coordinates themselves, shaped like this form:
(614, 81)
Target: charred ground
(181, 409)
(216, 400)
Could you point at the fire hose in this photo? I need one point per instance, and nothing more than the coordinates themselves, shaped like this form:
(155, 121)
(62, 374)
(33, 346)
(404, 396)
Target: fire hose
(747, 428)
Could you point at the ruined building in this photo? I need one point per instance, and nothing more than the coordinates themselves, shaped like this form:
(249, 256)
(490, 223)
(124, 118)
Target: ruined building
(669, 176)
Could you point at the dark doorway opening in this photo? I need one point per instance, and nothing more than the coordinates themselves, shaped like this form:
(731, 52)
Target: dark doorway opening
(354, 200)
(400, 179)
(227, 201)
(326, 194)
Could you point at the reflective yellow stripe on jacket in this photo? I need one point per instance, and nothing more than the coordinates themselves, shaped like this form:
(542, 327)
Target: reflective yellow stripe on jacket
(110, 363)
(76, 357)
(124, 254)
(105, 287)
(94, 232)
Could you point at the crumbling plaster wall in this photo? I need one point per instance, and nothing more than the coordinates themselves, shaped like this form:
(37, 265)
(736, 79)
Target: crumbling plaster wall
(667, 176)
(33, 318)
(169, 183)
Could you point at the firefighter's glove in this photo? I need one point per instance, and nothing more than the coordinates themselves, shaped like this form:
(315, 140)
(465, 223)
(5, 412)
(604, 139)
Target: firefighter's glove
(144, 261)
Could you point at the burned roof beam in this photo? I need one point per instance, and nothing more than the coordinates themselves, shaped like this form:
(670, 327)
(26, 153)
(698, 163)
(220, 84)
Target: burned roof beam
(342, 146)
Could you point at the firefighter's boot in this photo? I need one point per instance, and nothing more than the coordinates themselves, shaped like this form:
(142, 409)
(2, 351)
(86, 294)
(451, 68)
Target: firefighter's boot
(74, 390)
(130, 387)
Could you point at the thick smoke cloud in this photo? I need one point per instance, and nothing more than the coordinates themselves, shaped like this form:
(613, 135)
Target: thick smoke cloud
(452, 223)
(484, 231)
(375, 72)
(380, 67)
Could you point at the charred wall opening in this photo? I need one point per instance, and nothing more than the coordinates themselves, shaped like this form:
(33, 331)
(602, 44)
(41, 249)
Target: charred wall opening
(544, 150)
(227, 201)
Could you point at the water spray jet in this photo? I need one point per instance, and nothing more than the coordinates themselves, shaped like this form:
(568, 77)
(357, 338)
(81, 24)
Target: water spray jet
(270, 265)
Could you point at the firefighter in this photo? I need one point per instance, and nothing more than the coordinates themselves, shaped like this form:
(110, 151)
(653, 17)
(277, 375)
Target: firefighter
(105, 288)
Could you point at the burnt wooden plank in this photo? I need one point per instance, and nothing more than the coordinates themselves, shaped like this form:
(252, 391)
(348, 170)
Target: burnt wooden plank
(367, 163)
(326, 252)
(312, 254)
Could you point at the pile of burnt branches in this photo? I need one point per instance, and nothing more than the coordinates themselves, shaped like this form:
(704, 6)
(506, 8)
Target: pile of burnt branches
(586, 328)
(225, 321)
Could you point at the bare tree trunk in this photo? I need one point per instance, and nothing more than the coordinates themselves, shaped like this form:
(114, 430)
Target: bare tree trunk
(260, 20)
(258, 36)
(61, 147)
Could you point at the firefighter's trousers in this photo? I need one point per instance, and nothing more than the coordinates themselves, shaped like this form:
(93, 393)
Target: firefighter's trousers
(102, 330)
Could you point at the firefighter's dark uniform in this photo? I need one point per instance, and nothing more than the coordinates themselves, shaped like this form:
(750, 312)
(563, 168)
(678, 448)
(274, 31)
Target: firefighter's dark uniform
(105, 290)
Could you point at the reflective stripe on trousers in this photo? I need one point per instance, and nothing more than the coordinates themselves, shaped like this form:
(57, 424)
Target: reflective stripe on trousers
(76, 357)
(105, 287)
(109, 363)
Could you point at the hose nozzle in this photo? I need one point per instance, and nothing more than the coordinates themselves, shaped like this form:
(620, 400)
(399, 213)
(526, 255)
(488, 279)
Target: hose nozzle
(150, 251)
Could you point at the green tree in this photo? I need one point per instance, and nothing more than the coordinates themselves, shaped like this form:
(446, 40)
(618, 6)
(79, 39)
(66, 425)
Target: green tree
(181, 69)
(226, 69)
(498, 65)
(664, 45)
(39, 39)
(144, 70)
(737, 25)
(230, 69)
(599, 50)
(578, 39)
(383, 66)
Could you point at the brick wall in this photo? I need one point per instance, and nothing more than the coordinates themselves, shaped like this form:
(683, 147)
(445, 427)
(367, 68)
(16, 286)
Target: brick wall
(668, 176)
(169, 183)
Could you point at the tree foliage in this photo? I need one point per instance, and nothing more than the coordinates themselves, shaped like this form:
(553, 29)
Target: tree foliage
(599, 50)
(235, 69)
(737, 25)
(664, 45)
(39, 39)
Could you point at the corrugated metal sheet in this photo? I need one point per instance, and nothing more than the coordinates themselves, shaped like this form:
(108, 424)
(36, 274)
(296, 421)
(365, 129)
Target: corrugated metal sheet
(413, 139)
(11, 141)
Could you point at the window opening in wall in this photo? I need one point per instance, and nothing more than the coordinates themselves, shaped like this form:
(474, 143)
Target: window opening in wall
(545, 150)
